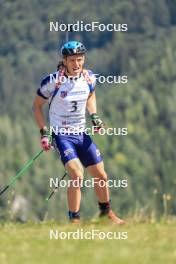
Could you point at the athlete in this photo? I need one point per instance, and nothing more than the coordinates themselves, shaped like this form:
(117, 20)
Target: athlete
(69, 98)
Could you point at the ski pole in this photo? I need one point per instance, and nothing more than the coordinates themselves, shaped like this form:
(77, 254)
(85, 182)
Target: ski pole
(20, 173)
(56, 188)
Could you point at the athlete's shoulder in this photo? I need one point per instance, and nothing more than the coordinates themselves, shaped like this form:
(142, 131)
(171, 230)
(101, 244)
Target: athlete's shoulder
(90, 78)
(47, 85)
(88, 72)
(49, 79)
(89, 75)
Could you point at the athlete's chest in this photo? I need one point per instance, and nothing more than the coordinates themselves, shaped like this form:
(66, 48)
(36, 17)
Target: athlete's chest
(73, 90)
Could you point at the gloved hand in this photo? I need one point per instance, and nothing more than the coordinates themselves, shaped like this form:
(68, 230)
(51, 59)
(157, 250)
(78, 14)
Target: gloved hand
(97, 122)
(46, 139)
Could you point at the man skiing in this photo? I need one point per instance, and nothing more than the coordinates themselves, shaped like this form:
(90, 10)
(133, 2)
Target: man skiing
(68, 102)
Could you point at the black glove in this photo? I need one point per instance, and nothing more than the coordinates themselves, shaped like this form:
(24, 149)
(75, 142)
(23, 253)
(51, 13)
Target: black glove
(97, 122)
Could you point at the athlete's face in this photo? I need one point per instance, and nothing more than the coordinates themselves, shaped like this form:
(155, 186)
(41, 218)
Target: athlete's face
(74, 64)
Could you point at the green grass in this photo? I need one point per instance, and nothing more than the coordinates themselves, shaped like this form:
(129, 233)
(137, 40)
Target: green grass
(30, 244)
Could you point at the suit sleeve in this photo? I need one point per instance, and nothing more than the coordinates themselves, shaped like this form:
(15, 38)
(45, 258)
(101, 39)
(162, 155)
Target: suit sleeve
(46, 88)
(92, 81)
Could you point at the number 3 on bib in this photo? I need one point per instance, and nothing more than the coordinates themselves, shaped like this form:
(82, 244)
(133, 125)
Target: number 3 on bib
(74, 106)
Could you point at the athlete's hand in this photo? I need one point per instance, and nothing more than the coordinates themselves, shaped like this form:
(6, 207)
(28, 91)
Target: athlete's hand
(46, 139)
(97, 122)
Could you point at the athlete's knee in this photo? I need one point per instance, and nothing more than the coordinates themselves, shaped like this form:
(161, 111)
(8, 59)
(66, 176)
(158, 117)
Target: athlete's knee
(76, 178)
(75, 170)
(101, 175)
(76, 174)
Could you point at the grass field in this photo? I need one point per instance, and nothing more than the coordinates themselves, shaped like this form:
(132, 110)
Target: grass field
(30, 244)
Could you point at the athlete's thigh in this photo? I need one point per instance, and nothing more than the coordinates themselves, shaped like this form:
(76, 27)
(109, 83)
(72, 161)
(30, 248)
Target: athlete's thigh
(65, 147)
(97, 170)
(88, 152)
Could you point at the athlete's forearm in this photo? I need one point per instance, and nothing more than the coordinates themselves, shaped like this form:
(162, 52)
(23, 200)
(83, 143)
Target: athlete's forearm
(38, 114)
(91, 103)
